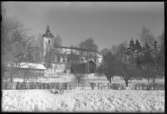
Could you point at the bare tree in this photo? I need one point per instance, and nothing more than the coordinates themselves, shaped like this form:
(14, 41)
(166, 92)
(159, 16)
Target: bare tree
(88, 44)
(146, 36)
(151, 62)
(14, 42)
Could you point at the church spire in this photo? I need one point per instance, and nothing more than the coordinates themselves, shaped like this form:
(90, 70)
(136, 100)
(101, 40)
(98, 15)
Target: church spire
(47, 29)
(48, 33)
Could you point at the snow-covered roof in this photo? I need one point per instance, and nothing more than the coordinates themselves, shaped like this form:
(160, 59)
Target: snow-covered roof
(29, 65)
(93, 78)
(33, 66)
(99, 55)
(46, 80)
(99, 81)
(117, 78)
(58, 80)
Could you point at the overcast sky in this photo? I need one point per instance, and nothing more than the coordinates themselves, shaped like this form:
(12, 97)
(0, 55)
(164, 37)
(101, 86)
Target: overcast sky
(108, 23)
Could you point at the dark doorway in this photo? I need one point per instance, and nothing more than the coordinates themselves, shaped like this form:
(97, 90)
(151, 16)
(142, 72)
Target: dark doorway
(92, 67)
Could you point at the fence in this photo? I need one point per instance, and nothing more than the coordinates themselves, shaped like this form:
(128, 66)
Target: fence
(68, 81)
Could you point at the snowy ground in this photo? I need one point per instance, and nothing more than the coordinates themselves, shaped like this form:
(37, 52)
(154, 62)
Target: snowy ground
(84, 100)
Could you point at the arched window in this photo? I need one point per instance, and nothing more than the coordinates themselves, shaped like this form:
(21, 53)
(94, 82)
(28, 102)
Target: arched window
(49, 41)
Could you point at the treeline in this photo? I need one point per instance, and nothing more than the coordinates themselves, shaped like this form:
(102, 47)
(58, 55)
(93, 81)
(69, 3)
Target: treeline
(142, 58)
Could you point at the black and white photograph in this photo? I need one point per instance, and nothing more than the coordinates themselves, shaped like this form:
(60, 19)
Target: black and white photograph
(82, 56)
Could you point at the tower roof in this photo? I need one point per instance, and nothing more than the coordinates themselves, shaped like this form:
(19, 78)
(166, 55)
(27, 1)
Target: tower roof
(48, 33)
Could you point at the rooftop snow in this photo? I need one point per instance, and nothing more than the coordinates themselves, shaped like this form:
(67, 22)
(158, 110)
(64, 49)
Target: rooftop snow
(29, 65)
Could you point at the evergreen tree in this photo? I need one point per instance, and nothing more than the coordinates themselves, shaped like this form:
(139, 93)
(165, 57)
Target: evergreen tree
(138, 46)
(130, 51)
(155, 44)
(132, 45)
(146, 47)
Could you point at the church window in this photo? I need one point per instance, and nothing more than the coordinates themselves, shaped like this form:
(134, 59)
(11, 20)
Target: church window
(64, 60)
(58, 59)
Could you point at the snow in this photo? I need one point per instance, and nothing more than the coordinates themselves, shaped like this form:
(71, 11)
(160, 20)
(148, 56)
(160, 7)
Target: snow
(32, 65)
(94, 78)
(29, 65)
(57, 78)
(18, 80)
(86, 100)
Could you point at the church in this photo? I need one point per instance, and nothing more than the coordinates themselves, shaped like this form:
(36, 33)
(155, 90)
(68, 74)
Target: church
(68, 59)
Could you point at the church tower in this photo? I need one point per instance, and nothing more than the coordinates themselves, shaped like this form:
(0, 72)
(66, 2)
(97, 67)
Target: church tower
(48, 40)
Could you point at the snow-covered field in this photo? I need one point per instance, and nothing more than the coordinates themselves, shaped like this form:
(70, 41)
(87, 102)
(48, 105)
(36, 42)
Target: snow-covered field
(84, 100)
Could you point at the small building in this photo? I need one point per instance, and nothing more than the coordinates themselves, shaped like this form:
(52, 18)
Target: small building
(27, 70)
(93, 79)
